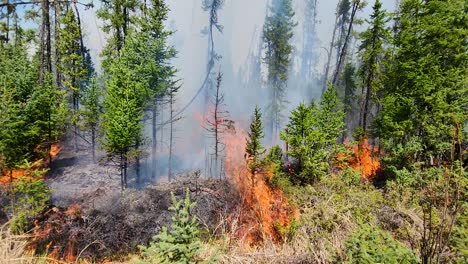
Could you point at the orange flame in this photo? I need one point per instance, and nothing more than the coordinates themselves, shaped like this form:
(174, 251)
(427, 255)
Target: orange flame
(55, 149)
(14, 175)
(364, 159)
(265, 208)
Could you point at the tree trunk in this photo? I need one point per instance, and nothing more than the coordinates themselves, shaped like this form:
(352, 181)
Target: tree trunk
(82, 47)
(154, 146)
(45, 54)
(327, 67)
(345, 44)
(171, 134)
(93, 143)
(8, 21)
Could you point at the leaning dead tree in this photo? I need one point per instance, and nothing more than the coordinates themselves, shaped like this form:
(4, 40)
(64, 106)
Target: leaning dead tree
(218, 123)
(212, 7)
(356, 5)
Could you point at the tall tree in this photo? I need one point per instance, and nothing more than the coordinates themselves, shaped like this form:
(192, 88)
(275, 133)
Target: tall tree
(355, 7)
(254, 148)
(277, 34)
(117, 18)
(156, 59)
(71, 65)
(122, 125)
(425, 104)
(217, 124)
(311, 42)
(372, 53)
(92, 111)
(212, 7)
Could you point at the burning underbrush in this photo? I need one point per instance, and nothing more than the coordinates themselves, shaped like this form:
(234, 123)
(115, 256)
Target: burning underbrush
(130, 220)
(265, 210)
(364, 159)
(11, 176)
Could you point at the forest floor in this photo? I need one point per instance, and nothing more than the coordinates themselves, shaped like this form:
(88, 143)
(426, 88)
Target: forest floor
(91, 217)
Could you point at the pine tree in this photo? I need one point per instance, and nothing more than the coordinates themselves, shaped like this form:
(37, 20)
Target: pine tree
(356, 5)
(212, 7)
(372, 53)
(277, 34)
(92, 111)
(181, 243)
(117, 17)
(350, 106)
(254, 149)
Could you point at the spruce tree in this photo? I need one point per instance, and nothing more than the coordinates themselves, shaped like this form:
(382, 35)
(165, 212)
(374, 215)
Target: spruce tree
(254, 148)
(71, 66)
(123, 112)
(155, 65)
(312, 135)
(277, 35)
(91, 112)
(181, 243)
(372, 53)
(424, 103)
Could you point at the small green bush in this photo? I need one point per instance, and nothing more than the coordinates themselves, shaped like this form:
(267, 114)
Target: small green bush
(30, 196)
(181, 244)
(372, 245)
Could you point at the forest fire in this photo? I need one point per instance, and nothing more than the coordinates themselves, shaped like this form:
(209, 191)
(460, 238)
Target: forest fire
(13, 175)
(364, 159)
(55, 149)
(265, 209)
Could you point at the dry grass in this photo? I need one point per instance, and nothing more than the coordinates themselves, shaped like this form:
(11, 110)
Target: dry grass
(13, 250)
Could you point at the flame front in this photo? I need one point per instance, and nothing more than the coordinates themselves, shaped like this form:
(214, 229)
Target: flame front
(264, 207)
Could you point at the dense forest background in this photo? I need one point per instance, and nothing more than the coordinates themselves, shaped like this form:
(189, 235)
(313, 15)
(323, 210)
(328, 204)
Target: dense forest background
(307, 131)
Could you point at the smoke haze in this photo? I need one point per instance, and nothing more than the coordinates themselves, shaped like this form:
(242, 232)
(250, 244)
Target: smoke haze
(238, 45)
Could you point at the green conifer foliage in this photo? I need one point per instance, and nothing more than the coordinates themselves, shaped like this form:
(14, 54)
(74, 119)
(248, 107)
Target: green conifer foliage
(277, 34)
(123, 112)
(181, 243)
(424, 105)
(372, 53)
(312, 135)
(91, 112)
(254, 148)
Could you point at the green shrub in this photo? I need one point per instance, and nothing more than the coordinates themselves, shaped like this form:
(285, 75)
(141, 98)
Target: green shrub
(30, 196)
(371, 245)
(180, 244)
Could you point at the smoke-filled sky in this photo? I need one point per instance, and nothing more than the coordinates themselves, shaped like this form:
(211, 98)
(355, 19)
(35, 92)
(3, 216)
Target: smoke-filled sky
(243, 22)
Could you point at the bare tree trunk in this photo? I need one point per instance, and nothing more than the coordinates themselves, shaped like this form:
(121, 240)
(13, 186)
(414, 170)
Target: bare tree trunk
(57, 10)
(45, 55)
(330, 52)
(154, 145)
(93, 143)
(8, 21)
(171, 134)
(342, 55)
(82, 47)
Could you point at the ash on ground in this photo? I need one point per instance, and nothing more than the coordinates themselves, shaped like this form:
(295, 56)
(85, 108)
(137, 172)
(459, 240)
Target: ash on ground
(90, 212)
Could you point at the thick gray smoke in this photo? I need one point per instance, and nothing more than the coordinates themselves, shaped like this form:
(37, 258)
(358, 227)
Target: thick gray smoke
(244, 78)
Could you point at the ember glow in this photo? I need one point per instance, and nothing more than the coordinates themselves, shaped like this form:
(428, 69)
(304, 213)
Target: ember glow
(264, 208)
